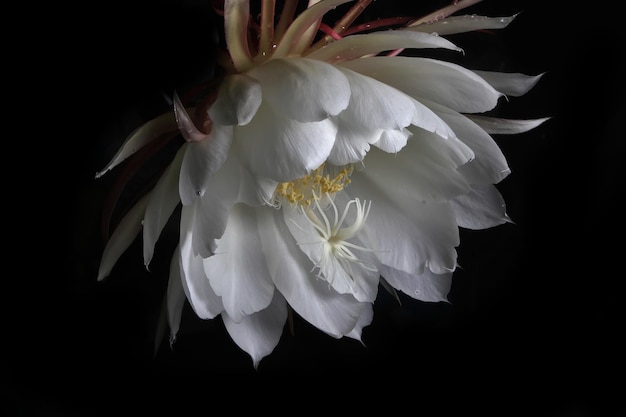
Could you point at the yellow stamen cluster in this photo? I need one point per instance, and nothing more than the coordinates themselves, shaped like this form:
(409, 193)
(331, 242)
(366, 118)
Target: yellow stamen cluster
(306, 190)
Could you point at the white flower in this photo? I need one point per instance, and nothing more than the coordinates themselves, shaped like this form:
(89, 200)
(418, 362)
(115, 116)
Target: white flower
(319, 170)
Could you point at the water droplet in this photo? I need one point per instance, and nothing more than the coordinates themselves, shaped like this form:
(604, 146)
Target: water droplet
(418, 292)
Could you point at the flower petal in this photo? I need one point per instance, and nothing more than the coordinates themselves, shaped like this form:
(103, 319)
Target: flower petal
(439, 81)
(175, 296)
(499, 126)
(404, 233)
(312, 298)
(237, 272)
(357, 46)
(124, 235)
(232, 183)
(511, 84)
(187, 128)
(236, 20)
(302, 23)
(481, 208)
(365, 319)
(259, 333)
(303, 89)
(352, 143)
(163, 200)
(460, 24)
(284, 149)
(392, 141)
(201, 160)
(489, 165)
(376, 105)
(238, 99)
(426, 169)
(427, 286)
(201, 296)
(146, 133)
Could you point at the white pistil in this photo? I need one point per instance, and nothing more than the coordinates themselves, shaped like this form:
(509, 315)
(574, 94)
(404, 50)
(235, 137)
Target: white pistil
(337, 251)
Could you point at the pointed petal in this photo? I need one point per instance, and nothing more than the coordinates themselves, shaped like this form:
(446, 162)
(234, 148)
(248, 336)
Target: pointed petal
(427, 286)
(303, 89)
(499, 126)
(123, 236)
(510, 84)
(187, 128)
(489, 165)
(481, 208)
(460, 24)
(259, 333)
(365, 319)
(283, 149)
(201, 160)
(352, 143)
(376, 105)
(357, 46)
(439, 81)
(237, 272)
(238, 99)
(236, 20)
(392, 141)
(163, 200)
(175, 296)
(142, 136)
(312, 298)
(201, 296)
(302, 23)
(425, 169)
(405, 233)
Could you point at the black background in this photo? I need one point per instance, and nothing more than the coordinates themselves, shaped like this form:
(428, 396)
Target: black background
(535, 324)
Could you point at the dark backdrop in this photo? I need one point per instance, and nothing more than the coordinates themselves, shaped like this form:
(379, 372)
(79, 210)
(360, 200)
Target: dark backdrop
(535, 322)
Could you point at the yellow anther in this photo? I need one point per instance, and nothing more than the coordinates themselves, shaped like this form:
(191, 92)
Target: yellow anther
(304, 191)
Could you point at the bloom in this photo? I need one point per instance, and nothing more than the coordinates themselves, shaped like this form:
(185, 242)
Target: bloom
(318, 169)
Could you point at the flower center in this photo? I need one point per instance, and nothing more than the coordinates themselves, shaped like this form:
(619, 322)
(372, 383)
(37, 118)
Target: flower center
(306, 190)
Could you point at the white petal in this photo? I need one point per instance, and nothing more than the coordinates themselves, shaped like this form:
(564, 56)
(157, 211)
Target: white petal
(175, 296)
(392, 141)
(423, 170)
(404, 233)
(232, 183)
(357, 46)
(511, 84)
(352, 143)
(499, 126)
(238, 99)
(460, 24)
(427, 286)
(439, 81)
(303, 89)
(489, 165)
(481, 208)
(124, 235)
(163, 200)
(283, 149)
(237, 272)
(258, 334)
(201, 160)
(365, 319)
(146, 133)
(312, 298)
(201, 296)
(376, 105)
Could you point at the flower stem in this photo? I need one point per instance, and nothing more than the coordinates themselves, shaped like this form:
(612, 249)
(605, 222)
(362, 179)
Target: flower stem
(267, 28)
